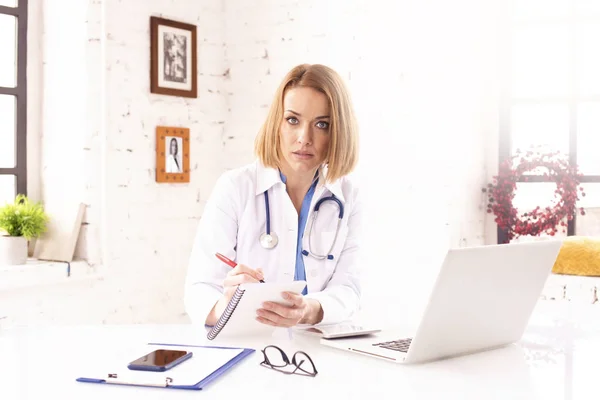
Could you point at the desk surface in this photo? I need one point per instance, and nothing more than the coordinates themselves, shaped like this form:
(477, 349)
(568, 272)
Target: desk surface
(557, 358)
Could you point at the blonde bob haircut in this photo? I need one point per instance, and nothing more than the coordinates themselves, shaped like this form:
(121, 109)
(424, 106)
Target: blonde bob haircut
(342, 155)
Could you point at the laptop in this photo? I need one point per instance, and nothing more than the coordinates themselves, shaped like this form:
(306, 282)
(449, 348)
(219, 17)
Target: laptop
(482, 299)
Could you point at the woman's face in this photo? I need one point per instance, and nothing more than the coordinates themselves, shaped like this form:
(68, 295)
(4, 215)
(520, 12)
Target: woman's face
(304, 131)
(173, 146)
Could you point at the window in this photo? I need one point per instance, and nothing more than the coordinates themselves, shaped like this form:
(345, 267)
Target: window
(13, 99)
(551, 97)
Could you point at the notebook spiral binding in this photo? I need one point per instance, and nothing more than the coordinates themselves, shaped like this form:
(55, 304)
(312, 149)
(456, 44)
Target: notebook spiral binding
(233, 303)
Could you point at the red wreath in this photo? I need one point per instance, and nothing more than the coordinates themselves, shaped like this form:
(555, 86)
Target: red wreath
(538, 221)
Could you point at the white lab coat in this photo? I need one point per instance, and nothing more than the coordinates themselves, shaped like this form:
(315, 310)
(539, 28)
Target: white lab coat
(235, 217)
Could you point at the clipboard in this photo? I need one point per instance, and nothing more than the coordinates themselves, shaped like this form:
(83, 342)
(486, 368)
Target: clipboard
(168, 379)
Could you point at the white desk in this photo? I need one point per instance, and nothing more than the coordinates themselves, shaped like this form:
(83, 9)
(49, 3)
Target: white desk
(558, 358)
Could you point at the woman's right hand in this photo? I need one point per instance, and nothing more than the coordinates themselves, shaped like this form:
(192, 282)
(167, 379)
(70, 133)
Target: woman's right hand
(238, 275)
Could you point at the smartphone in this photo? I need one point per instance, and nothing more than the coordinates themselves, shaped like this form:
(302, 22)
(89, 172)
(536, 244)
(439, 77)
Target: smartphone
(160, 360)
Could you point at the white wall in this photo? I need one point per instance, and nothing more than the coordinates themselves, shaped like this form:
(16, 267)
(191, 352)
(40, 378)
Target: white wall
(421, 78)
(65, 166)
(34, 95)
(150, 226)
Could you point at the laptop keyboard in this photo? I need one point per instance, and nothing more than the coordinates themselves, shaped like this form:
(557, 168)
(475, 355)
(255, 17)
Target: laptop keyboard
(397, 345)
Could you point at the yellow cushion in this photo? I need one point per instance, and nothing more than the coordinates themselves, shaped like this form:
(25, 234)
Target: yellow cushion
(579, 255)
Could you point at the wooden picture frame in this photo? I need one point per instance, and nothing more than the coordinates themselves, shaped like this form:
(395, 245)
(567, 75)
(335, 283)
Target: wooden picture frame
(173, 58)
(172, 167)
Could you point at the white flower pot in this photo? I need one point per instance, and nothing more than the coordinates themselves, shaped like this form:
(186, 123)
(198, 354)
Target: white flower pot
(13, 250)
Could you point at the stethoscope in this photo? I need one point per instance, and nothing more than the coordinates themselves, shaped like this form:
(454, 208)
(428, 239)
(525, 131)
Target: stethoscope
(269, 239)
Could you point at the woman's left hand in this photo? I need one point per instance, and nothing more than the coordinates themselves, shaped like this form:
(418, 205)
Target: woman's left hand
(302, 311)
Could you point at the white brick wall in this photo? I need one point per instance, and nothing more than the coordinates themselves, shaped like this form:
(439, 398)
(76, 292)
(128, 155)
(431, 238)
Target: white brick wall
(64, 118)
(421, 77)
(105, 125)
(150, 226)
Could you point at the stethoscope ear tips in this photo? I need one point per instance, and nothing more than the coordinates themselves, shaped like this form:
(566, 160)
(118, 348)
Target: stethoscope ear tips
(330, 257)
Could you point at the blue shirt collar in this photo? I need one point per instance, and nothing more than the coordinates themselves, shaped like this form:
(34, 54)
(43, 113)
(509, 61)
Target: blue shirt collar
(284, 178)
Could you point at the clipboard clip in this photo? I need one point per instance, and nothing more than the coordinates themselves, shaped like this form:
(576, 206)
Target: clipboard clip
(114, 379)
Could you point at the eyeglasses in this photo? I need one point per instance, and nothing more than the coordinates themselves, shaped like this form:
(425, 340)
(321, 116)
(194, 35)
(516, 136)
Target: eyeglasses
(276, 359)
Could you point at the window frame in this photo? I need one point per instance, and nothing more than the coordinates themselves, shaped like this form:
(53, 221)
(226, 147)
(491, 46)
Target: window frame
(573, 99)
(20, 93)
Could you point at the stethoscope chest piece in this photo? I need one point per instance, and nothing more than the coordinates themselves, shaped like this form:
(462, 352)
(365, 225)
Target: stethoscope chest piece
(268, 240)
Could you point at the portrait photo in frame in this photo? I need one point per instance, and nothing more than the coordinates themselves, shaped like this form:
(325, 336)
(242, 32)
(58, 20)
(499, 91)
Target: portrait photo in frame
(172, 154)
(173, 58)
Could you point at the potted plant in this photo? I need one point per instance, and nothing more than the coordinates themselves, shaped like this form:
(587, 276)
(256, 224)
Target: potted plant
(19, 222)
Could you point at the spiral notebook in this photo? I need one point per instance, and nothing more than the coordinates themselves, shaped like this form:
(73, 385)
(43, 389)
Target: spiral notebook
(239, 318)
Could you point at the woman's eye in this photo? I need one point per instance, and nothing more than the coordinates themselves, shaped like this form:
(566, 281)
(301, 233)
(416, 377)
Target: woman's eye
(323, 125)
(292, 120)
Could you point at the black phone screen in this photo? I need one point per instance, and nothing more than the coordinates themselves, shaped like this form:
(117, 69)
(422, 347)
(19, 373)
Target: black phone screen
(159, 358)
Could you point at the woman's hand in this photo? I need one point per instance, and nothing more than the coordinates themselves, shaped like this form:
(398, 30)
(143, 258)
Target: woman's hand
(238, 275)
(301, 311)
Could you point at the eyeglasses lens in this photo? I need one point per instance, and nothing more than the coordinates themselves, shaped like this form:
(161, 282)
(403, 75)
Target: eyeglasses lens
(303, 363)
(275, 357)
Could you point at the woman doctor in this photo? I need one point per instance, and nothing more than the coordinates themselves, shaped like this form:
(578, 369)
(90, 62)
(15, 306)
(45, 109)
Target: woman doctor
(262, 215)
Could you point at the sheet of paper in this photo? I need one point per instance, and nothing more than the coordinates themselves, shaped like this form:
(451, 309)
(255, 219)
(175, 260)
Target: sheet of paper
(203, 363)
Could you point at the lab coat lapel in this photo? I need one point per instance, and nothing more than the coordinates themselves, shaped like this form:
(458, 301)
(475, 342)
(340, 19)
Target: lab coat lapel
(334, 187)
(265, 178)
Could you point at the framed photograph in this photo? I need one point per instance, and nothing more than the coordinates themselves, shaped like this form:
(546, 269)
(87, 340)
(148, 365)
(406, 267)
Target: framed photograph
(172, 154)
(173, 58)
